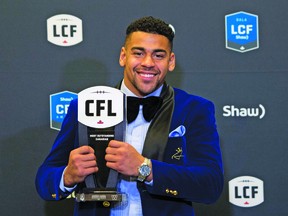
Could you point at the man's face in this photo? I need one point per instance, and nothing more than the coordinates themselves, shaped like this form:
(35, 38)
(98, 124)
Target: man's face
(146, 59)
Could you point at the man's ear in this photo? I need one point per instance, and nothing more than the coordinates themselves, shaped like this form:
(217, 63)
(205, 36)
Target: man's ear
(122, 58)
(172, 62)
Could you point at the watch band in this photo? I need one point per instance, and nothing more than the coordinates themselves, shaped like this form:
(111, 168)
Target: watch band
(144, 170)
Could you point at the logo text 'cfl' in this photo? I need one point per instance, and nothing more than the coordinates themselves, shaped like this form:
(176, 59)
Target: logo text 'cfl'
(100, 107)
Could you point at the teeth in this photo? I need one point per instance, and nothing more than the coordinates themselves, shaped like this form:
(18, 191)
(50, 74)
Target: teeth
(146, 75)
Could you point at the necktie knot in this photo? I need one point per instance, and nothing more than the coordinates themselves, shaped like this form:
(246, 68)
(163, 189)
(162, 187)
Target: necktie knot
(150, 107)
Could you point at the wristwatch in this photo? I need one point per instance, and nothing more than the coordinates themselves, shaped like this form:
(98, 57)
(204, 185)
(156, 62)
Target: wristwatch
(144, 170)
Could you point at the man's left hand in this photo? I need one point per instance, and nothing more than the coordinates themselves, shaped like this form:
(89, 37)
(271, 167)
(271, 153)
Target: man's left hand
(123, 158)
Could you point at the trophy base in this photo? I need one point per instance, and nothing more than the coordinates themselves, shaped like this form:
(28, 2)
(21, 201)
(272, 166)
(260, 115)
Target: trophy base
(99, 195)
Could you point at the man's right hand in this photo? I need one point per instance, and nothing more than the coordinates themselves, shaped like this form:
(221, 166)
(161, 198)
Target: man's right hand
(82, 162)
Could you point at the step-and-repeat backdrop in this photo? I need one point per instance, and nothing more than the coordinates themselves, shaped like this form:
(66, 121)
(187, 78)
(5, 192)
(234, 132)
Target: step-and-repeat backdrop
(234, 53)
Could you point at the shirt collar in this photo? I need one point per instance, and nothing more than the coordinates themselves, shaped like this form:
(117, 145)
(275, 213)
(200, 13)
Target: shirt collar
(127, 92)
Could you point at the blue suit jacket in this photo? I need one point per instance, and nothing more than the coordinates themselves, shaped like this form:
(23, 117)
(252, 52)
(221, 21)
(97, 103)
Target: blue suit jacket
(190, 169)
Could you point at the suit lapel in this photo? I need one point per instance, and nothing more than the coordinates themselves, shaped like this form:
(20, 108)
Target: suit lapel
(157, 135)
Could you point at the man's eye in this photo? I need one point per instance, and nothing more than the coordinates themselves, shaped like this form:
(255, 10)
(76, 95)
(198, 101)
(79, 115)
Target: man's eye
(138, 53)
(159, 56)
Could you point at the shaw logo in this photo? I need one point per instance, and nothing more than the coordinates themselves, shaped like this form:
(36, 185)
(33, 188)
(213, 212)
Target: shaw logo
(64, 30)
(101, 107)
(246, 191)
(59, 104)
(231, 111)
(241, 31)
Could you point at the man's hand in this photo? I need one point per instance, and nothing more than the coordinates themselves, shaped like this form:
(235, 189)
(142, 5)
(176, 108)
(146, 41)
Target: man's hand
(123, 158)
(82, 162)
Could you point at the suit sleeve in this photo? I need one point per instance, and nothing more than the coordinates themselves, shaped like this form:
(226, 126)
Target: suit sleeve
(198, 175)
(50, 172)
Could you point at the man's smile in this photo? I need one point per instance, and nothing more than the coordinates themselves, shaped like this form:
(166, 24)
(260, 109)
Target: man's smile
(146, 75)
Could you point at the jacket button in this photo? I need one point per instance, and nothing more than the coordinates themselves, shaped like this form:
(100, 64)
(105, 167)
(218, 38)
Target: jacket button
(175, 193)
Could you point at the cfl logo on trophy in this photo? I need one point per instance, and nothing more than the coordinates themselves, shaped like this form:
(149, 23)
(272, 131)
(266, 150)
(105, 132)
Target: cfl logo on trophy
(64, 30)
(241, 30)
(59, 104)
(246, 191)
(100, 107)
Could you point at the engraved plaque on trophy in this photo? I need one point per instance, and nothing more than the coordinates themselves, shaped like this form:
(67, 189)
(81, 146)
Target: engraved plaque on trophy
(101, 118)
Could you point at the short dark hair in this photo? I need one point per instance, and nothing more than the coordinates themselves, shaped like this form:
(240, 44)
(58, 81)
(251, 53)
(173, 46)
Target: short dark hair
(151, 25)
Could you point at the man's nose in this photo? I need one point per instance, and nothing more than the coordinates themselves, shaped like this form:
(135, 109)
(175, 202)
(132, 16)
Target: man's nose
(148, 61)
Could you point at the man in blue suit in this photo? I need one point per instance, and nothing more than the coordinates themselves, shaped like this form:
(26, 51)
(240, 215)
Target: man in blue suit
(166, 163)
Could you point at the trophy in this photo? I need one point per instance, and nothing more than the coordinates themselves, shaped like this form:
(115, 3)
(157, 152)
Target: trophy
(101, 118)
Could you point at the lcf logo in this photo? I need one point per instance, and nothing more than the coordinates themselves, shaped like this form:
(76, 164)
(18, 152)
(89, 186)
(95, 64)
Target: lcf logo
(64, 30)
(101, 107)
(241, 32)
(59, 104)
(246, 191)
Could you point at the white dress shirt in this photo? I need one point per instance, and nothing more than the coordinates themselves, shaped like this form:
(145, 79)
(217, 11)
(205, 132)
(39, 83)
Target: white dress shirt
(135, 135)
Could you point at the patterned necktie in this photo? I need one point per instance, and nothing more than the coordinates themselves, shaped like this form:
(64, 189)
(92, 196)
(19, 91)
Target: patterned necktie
(150, 106)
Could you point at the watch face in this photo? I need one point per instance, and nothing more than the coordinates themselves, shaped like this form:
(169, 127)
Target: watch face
(144, 170)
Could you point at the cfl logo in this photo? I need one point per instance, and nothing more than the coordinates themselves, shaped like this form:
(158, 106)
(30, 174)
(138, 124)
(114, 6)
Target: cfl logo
(101, 107)
(242, 31)
(59, 104)
(246, 191)
(64, 30)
